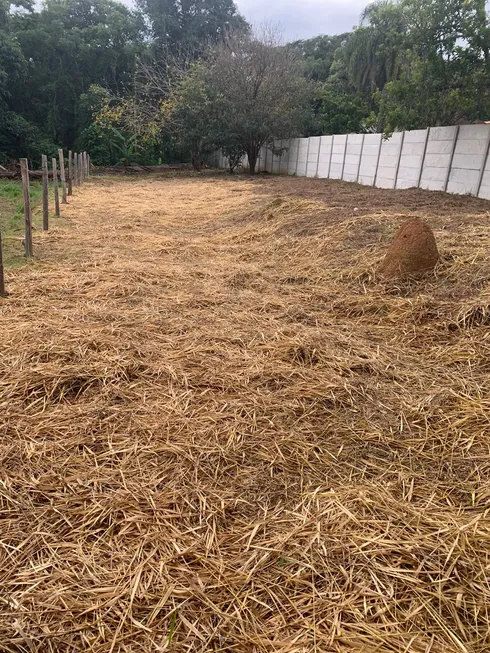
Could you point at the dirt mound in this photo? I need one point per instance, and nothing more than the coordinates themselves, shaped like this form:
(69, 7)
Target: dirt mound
(412, 252)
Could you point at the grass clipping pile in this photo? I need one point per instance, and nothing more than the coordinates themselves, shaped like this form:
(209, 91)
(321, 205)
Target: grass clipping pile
(221, 432)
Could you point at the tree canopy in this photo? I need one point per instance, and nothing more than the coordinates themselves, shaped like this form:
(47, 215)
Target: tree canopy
(162, 81)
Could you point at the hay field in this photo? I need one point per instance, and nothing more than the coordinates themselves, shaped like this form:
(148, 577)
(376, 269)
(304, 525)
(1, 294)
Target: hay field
(221, 432)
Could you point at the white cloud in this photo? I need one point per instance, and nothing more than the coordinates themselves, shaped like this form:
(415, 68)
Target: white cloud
(304, 18)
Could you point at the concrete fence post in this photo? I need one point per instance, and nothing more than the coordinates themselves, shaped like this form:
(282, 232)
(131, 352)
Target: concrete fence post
(399, 159)
(307, 157)
(330, 159)
(448, 174)
(484, 162)
(427, 136)
(343, 161)
(318, 157)
(377, 160)
(360, 158)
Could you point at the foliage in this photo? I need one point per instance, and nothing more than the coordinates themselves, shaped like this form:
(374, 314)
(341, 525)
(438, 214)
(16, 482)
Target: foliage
(444, 68)
(175, 80)
(261, 89)
(195, 23)
(234, 152)
(192, 115)
(318, 54)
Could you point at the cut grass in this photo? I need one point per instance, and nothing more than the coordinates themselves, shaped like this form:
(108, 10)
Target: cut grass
(221, 432)
(12, 218)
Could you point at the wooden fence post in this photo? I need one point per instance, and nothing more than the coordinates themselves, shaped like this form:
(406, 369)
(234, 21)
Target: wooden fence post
(24, 169)
(80, 168)
(63, 176)
(44, 159)
(2, 278)
(56, 191)
(75, 169)
(88, 165)
(70, 174)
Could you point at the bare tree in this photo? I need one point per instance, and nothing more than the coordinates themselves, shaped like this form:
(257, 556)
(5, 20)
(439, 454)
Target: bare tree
(262, 84)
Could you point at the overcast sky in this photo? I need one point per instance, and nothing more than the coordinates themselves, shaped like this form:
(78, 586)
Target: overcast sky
(302, 19)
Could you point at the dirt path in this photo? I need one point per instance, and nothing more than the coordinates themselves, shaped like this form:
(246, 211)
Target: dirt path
(220, 432)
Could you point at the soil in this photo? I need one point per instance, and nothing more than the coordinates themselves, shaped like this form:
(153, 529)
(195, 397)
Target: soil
(412, 252)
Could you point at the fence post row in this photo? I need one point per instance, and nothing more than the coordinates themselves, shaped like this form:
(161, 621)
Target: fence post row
(24, 171)
(44, 159)
(74, 175)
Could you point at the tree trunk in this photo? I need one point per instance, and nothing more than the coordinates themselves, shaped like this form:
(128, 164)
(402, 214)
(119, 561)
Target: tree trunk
(252, 154)
(196, 162)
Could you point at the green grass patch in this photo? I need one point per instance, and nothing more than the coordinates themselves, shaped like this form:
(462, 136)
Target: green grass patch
(12, 218)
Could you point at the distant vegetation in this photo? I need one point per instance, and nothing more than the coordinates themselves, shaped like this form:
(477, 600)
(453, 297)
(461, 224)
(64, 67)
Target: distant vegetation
(173, 80)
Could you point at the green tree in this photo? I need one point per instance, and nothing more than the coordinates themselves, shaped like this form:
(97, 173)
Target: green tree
(192, 115)
(445, 66)
(372, 51)
(262, 90)
(318, 54)
(69, 45)
(192, 24)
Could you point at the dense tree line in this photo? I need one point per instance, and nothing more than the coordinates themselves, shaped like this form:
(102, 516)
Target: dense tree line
(175, 78)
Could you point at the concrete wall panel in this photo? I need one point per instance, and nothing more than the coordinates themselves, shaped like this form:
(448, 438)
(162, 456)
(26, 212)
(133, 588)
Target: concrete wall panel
(451, 158)
(369, 159)
(313, 151)
(388, 161)
(326, 144)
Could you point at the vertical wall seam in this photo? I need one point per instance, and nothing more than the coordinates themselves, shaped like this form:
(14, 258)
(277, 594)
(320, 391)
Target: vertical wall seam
(345, 152)
(399, 159)
(330, 158)
(421, 171)
(377, 160)
(297, 156)
(449, 168)
(318, 157)
(360, 159)
(484, 163)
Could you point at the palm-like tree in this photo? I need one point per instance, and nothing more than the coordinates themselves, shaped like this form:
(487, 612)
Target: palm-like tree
(373, 49)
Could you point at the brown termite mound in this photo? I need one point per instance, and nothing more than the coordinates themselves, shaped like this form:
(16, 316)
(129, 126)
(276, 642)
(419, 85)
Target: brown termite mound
(412, 252)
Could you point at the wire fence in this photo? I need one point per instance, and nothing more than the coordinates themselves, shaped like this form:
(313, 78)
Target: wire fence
(74, 174)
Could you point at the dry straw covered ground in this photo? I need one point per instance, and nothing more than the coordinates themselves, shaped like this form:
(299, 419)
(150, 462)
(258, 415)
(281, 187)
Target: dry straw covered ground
(221, 432)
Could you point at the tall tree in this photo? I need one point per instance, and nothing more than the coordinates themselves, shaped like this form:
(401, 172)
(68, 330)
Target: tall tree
(318, 54)
(445, 68)
(263, 90)
(372, 51)
(69, 45)
(191, 23)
